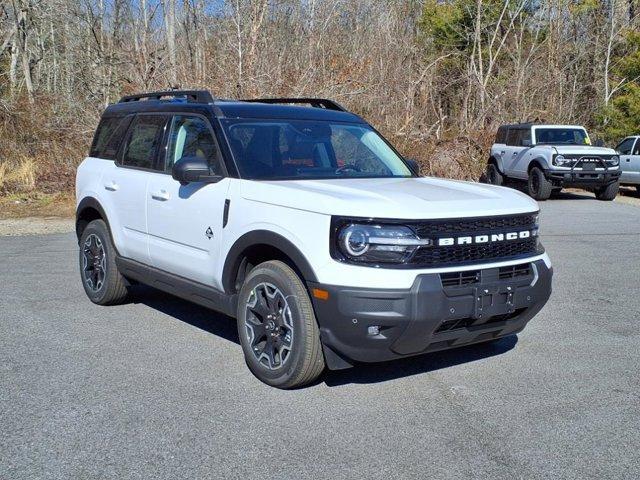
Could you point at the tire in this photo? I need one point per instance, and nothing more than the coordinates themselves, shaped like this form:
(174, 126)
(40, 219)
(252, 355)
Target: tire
(277, 327)
(637, 189)
(97, 254)
(539, 187)
(493, 175)
(608, 192)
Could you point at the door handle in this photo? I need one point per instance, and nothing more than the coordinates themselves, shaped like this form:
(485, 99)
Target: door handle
(161, 196)
(112, 187)
(515, 153)
(502, 152)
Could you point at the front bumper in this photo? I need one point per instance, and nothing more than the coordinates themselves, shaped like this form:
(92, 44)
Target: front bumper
(440, 311)
(582, 178)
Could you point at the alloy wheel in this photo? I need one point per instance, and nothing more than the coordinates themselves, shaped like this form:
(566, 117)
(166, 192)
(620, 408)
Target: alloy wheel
(94, 262)
(269, 325)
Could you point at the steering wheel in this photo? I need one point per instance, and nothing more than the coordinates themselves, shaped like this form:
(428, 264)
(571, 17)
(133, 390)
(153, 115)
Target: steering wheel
(348, 168)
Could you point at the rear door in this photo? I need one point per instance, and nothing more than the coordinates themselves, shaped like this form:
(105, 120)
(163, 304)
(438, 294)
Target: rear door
(125, 184)
(185, 221)
(514, 152)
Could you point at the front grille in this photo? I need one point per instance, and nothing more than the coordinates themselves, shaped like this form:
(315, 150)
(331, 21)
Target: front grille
(448, 255)
(475, 226)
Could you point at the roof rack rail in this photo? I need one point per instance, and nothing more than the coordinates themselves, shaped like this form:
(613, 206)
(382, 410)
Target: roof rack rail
(195, 96)
(314, 102)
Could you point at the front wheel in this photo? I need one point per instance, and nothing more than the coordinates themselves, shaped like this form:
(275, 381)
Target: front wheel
(539, 187)
(277, 327)
(608, 192)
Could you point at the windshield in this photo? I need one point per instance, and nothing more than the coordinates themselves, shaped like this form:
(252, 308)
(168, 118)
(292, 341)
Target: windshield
(561, 136)
(304, 149)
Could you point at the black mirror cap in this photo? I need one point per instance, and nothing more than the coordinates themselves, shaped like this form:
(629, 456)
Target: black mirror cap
(413, 165)
(599, 143)
(193, 169)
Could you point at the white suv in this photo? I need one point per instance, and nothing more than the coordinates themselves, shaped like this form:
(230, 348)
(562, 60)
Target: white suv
(551, 157)
(307, 226)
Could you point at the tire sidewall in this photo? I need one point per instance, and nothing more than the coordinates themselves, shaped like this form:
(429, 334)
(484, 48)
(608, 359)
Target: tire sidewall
(494, 177)
(278, 278)
(98, 228)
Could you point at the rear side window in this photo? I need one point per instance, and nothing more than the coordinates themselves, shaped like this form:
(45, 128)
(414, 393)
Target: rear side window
(145, 136)
(513, 137)
(108, 137)
(501, 136)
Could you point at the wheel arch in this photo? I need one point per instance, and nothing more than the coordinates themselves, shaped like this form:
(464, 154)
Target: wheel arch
(260, 246)
(89, 209)
(539, 162)
(497, 162)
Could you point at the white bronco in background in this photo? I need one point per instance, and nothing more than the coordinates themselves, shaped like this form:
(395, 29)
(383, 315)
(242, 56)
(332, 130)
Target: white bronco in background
(551, 157)
(629, 151)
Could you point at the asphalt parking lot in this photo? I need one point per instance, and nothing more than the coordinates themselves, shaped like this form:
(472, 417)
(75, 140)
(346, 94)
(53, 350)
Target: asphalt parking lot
(158, 388)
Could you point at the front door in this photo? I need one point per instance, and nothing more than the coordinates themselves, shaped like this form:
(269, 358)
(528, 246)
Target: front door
(629, 150)
(185, 221)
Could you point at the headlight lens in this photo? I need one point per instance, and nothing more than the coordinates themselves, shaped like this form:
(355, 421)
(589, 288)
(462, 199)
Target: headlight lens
(614, 161)
(378, 243)
(560, 160)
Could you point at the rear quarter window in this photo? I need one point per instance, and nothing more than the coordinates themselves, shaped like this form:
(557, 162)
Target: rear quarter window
(501, 136)
(108, 137)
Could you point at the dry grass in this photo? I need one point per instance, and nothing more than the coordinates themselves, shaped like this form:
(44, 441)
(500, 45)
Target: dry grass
(34, 204)
(18, 176)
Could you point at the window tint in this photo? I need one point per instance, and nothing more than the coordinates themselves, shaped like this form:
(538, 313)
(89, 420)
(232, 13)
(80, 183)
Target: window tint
(513, 137)
(625, 146)
(636, 150)
(501, 136)
(144, 138)
(525, 134)
(190, 137)
(108, 136)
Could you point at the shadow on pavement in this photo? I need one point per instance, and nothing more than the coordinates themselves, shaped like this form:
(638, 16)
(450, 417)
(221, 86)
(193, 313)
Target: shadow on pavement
(381, 372)
(187, 312)
(225, 327)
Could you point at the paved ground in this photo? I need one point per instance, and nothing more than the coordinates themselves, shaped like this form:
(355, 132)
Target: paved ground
(158, 388)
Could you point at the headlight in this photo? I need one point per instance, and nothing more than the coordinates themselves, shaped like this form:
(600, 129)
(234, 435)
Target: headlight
(614, 161)
(560, 160)
(378, 243)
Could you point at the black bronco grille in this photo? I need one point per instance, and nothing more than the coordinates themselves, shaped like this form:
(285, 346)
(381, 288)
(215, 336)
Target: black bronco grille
(446, 255)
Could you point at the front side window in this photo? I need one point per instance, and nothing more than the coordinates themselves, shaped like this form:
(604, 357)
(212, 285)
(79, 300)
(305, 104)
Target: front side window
(189, 137)
(513, 137)
(144, 139)
(624, 148)
(304, 149)
(562, 136)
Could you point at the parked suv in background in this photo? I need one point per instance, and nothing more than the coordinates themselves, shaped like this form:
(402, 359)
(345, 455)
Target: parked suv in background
(551, 157)
(304, 224)
(629, 151)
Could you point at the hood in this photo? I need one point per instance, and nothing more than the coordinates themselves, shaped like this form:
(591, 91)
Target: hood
(398, 198)
(583, 150)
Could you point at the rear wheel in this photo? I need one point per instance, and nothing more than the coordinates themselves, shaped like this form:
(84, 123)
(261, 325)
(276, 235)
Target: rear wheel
(539, 187)
(277, 327)
(101, 279)
(493, 175)
(608, 192)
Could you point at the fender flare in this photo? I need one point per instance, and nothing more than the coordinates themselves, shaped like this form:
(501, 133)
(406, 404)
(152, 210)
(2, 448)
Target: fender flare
(541, 161)
(271, 239)
(90, 202)
(498, 163)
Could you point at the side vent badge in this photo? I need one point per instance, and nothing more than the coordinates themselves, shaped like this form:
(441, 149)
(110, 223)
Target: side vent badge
(209, 233)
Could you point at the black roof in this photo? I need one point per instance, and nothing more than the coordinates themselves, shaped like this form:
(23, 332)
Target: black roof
(516, 125)
(201, 101)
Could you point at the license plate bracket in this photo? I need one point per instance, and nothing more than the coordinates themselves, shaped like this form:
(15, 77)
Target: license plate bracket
(492, 301)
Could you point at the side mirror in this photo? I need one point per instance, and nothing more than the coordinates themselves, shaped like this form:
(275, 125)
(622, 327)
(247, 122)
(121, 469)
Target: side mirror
(599, 143)
(413, 165)
(193, 169)
(527, 143)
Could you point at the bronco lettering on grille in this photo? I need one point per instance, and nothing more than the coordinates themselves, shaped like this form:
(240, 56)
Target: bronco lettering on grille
(495, 237)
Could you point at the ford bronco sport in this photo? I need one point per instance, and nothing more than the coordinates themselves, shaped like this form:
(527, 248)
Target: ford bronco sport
(550, 157)
(300, 220)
